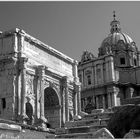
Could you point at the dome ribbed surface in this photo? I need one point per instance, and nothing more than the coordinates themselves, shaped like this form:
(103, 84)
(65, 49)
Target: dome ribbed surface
(113, 39)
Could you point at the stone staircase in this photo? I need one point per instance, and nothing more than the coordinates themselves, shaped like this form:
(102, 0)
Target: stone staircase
(84, 128)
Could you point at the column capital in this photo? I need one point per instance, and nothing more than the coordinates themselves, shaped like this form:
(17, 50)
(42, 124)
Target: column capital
(64, 81)
(23, 61)
(75, 62)
(41, 67)
(41, 70)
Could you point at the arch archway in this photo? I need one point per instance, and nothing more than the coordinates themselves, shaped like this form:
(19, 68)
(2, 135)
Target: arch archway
(52, 107)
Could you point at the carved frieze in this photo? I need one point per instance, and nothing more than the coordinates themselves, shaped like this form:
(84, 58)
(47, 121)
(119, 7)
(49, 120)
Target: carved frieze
(30, 86)
(70, 98)
(46, 84)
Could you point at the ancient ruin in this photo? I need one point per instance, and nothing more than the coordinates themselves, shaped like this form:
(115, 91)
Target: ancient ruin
(39, 85)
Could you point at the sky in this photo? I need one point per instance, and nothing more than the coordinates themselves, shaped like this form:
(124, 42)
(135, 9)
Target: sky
(71, 26)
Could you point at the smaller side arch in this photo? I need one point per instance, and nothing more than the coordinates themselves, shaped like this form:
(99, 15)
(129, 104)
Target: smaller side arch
(29, 113)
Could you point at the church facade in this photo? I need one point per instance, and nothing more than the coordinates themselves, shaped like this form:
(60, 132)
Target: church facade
(112, 78)
(38, 84)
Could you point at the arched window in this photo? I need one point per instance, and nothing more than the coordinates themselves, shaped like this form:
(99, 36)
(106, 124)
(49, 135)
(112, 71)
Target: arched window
(135, 61)
(3, 103)
(89, 80)
(122, 61)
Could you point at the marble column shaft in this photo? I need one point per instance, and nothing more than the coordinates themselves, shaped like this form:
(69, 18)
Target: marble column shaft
(95, 74)
(107, 72)
(41, 79)
(23, 91)
(75, 104)
(104, 106)
(109, 99)
(114, 99)
(97, 102)
(66, 98)
(37, 113)
(112, 74)
(102, 74)
(78, 97)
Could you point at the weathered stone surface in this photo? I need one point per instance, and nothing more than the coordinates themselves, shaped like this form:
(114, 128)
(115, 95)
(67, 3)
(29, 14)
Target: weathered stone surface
(127, 117)
(10, 127)
(87, 122)
(77, 117)
(98, 115)
(97, 111)
(37, 82)
(132, 134)
(60, 131)
(102, 134)
(9, 130)
(75, 135)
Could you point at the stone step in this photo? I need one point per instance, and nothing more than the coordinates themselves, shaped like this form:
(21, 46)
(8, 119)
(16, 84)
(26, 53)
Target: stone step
(99, 134)
(75, 135)
(80, 129)
(98, 116)
(87, 122)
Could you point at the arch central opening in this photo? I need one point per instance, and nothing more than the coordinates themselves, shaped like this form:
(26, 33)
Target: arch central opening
(52, 107)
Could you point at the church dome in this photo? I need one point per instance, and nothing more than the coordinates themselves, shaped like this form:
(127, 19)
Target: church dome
(113, 39)
(116, 40)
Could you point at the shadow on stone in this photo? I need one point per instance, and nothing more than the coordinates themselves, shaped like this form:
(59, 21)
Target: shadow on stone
(124, 119)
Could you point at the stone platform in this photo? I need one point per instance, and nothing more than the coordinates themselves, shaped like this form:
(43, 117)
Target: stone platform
(13, 130)
(87, 127)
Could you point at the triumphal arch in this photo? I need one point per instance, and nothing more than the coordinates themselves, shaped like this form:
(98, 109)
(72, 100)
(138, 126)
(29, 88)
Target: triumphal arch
(38, 84)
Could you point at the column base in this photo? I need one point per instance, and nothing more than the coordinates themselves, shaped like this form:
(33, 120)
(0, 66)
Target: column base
(22, 119)
(41, 123)
(77, 117)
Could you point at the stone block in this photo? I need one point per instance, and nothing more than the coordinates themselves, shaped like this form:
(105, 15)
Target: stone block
(97, 111)
(104, 121)
(76, 135)
(132, 134)
(81, 129)
(77, 117)
(10, 126)
(103, 133)
(94, 128)
(82, 123)
(60, 131)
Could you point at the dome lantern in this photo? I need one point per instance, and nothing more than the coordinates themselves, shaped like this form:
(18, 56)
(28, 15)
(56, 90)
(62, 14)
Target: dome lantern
(115, 24)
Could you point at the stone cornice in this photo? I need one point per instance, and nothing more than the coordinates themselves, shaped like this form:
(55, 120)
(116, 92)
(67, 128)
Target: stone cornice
(96, 59)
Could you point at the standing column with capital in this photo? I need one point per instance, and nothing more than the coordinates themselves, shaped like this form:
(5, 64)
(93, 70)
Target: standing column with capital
(75, 71)
(111, 68)
(41, 73)
(78, 92)
(23, 62)
(66, 92)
